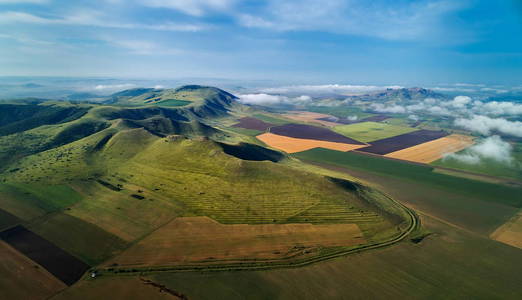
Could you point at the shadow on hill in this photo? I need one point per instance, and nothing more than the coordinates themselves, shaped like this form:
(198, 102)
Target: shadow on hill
(247, 151)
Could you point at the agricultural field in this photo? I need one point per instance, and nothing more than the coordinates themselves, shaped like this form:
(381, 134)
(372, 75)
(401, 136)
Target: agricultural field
(187, 240)
(403, 141)
(371, 131)
(84, 240)
(306, 116)
(253, 124)
(433, 150)
(469, 204)
(487, 166)
(21, 278)
(61, 264)
(511, 232)
(459, 261)
(301, 131)
(118, 288)
(293, 145)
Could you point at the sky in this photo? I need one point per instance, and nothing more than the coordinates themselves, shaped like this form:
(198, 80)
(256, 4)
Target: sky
(291, 41)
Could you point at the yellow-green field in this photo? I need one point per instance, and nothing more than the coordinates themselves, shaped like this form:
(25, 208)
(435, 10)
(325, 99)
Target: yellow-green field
(371, 131)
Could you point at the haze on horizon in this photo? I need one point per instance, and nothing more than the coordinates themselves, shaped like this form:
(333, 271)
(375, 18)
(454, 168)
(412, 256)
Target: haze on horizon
(329, 41)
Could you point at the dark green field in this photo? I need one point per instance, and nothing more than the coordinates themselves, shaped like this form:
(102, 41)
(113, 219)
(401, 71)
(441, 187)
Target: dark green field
(173, 103)
(475, 205)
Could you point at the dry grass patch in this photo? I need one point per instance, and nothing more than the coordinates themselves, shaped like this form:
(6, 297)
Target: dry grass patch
(196, 239)
(293, 145)
(306, 116)
(511, 232)
(433, 150)
(21, 278)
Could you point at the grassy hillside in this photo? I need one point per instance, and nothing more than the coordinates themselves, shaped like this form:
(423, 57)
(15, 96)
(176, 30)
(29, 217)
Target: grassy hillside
(97, 184)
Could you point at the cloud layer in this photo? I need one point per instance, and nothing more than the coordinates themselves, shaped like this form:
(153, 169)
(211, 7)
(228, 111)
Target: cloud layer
(493, 148)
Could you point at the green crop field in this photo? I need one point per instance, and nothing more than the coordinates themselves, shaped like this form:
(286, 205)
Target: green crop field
(371, 131)
(340, 112)
(471, 204)
(173, 103)
(84, 240)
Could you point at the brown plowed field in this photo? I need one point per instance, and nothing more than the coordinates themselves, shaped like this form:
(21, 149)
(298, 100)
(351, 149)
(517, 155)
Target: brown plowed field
(301, 131)
(61, 264)
(433, 150)
(306, 116)
(511, 232)
(293, 145)
(193, 239)
(253, 123)
(21, 278)
(403, 141)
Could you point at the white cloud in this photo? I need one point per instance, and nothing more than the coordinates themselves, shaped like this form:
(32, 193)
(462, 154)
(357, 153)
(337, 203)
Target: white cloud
(397, 21)
(459, 102)
(394, 109)
(413, 117)
(493, 148)
(113, 87)
(191, 7)
(498, 108)
(328, 89)
(92, 18)
(262, 99)
(142, 47)
(267, 99)
(485, 125)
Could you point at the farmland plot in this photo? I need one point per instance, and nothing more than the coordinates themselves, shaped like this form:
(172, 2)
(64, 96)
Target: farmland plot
(433, 150)
(293, 145)
(188, 239)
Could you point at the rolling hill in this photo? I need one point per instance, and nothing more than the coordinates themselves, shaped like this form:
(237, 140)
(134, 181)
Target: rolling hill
(102, 186)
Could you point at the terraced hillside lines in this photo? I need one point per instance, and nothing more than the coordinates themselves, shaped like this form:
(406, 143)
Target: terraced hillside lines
(61, 264)
(306, 116)
(253, 123)
(403, 141)
(301, 131)
(84, 240)
(21, 278)
(293, 145)
(371, 131)
(433, 150)
(331, 212)
(187, 240)
(511, 232)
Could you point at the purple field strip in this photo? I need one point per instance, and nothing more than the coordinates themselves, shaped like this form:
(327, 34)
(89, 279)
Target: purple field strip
(377, 118)
(301, 131)
(253, 123)
(402, 141)
(61, 264)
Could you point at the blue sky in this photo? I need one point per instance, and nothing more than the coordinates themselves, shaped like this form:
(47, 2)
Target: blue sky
(305, 41)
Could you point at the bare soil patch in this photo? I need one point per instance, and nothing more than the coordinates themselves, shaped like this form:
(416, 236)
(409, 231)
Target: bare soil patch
(433, 150)
(306, 116)
(61, 264)
(293, 145)
(253, 123)
(200, 239)
(21, 278)
(511, 232)
(403, 141)
(301, 131)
